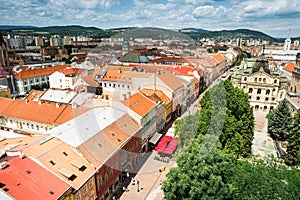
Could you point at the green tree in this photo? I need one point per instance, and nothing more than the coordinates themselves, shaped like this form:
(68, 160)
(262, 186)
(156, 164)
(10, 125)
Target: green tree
(265, 179)
(198, 177)
(279, 120)
(293, 138)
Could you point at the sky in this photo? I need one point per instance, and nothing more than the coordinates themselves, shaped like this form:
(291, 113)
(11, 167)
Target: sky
(273, 17)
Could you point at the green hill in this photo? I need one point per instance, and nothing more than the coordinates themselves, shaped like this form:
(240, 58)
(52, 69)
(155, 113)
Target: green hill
(225, 34)
(154, 33)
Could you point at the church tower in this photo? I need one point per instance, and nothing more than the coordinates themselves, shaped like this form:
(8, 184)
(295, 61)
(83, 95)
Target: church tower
(125, 47)
(287, 42)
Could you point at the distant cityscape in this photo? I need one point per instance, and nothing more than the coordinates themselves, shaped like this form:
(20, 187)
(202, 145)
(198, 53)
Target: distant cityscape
(92, 115)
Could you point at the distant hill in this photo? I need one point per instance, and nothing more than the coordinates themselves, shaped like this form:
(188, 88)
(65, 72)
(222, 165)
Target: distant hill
(225, 34)
(134, 32)
(154, 33)
(11, 27)
(62, 30)
(193, 30)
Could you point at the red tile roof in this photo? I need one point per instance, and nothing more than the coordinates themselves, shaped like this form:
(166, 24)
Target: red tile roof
(290, 67)
(140, 104)
(32, 111)
(25, 179)
(185, 71)
(170, 80)
(27, 72)
(219, 58)
(72, 71)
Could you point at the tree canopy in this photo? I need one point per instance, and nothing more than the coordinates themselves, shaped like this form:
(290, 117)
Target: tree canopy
(293, 138)
(279, 120)
(213, 161)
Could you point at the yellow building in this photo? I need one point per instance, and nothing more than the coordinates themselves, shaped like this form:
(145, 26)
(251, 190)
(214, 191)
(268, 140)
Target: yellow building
(265, 86)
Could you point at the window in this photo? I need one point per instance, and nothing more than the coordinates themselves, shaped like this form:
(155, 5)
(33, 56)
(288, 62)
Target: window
(265, 108)
(43, 78)
(267, 92)
(105, 177)
(91, 183)
(273, 99)
(259, 80)
(250, 90)
(32, 127)
(255, 80)
(264, 80)
(99, 181)
(106, 195)
(37, 127)
(267, 99)
(250, 97)
(245, 79)
(275, 81)
(25, 82)
(78, 196)
(84, 190)
(257, 98)
(256, 107)
(258, 91)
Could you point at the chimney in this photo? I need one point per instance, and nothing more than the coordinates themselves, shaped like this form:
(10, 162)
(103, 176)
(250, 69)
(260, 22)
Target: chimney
(57, 105)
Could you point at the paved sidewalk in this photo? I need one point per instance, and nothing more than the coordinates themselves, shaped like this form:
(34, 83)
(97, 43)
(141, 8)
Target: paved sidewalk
(262, 143)
(149, 178)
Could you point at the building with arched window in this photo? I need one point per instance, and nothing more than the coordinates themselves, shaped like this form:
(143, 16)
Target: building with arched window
(265, 86)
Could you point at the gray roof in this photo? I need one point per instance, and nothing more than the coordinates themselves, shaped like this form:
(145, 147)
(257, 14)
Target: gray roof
(78, 130)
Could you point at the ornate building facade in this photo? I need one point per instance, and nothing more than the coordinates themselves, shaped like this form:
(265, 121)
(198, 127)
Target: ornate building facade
(296, 76)
(265, 86)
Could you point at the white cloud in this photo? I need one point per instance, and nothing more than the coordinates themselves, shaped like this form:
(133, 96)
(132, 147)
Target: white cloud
(208, 11)
(266, 15)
